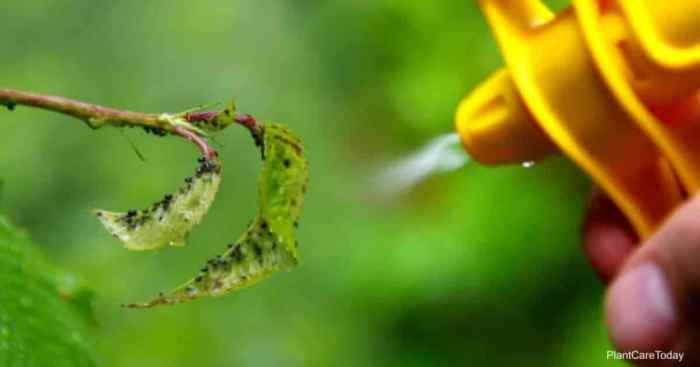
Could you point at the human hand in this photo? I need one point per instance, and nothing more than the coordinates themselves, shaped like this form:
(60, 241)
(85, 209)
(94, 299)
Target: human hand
(653, 298)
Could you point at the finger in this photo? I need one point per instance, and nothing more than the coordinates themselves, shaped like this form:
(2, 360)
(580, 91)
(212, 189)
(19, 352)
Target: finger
(652, 305)
(608, 238)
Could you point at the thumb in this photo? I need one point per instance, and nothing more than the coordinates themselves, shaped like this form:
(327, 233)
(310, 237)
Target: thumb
(652, 303)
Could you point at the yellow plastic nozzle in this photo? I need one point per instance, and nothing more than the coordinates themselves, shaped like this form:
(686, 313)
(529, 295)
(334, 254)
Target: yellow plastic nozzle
(493, 118)
(613, 84)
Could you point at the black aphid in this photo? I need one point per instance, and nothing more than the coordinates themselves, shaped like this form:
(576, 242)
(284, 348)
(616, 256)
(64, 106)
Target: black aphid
(258, 250)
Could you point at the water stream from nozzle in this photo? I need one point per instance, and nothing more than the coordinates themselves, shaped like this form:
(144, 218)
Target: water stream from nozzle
(442, 154)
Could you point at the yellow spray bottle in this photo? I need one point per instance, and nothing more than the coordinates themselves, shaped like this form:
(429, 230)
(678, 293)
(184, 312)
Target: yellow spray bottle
(613, 84)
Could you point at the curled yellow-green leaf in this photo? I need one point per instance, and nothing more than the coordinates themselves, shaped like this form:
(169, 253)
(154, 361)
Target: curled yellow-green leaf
(168, 221)
(269, 244)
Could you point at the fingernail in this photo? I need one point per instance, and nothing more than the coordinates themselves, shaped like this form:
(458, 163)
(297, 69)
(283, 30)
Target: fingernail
(640, 309)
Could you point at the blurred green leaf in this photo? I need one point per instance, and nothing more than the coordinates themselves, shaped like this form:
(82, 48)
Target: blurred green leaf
(40, 325)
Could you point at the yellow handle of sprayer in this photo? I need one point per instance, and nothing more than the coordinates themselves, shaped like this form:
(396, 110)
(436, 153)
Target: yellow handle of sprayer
(613, 84)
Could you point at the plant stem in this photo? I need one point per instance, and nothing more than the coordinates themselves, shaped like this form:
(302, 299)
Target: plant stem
(200, 142)
(97, 116)
(244, 119)
(94, 115)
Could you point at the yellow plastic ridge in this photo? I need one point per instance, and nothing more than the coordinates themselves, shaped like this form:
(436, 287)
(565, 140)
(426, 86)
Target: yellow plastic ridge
(613, 84)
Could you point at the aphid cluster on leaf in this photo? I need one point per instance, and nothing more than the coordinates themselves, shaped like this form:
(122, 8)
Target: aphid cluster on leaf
(169, 220)
(269, 244)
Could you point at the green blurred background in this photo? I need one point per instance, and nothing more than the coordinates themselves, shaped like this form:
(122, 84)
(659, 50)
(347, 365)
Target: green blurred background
(482, 266)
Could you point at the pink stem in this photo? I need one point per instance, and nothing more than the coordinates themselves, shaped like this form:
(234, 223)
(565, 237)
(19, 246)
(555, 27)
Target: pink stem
(201, 143)
(243, 119)
(199, 116)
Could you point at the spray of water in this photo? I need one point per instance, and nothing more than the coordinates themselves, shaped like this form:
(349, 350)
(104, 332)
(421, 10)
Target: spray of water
(441, 154)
